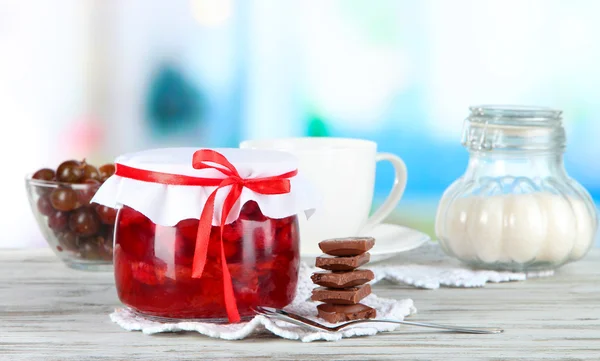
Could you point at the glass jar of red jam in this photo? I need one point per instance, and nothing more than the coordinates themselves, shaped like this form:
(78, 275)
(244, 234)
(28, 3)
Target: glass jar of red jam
(153, 264)
(250, 259)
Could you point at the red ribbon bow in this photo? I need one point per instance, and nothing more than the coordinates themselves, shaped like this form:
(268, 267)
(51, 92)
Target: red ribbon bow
(279, 184)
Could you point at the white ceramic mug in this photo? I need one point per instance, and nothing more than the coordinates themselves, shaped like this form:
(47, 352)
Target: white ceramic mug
(343, 170)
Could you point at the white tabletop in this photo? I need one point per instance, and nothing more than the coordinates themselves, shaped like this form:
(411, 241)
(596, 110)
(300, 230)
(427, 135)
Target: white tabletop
(50, 312)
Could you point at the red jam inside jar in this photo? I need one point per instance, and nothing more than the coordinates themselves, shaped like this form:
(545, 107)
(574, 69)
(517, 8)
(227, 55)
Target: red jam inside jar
(153, 265)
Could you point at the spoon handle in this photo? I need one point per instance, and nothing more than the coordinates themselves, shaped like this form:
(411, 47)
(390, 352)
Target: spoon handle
(478, 330)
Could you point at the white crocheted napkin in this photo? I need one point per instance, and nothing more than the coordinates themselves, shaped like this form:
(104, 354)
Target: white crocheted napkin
(386, 308)
(425, 267)
(430, 268)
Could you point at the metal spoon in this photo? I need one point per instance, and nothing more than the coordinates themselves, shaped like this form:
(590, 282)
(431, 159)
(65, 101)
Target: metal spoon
(305, 322)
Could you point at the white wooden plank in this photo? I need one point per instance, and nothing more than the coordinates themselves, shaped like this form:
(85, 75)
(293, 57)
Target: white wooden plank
(49, 312)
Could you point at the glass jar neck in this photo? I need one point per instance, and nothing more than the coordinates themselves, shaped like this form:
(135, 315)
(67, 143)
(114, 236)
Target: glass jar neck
(515, 164)
(491, 128)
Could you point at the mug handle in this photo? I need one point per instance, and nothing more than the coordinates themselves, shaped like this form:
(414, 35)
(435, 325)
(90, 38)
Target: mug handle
(393, 198)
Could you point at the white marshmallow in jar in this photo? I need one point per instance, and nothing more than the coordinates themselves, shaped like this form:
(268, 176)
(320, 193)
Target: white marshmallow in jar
(516, 208)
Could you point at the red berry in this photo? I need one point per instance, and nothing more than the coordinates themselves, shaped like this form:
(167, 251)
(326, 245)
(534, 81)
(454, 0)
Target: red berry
(265, 268)
(251, 211)
(70, 171)
(230, 250)
(58, 220)
(147, 274)
(89, 247)
(260, 239)
(184, 250)
(129, 216)
(90, 172)
(183, 273)
(106, 171)
(107, 215)
(233, 232)
(188, 228)
(64, 199)
(46, 174)
(247, 297)
(212, 270)
(123, 273)
(243, 275)
(286, 238)
(214, 246)
(236, 270)
(136, 241)
(282, 222)
(84, 196)
(68, 240)
(84, 222)
(44, 206)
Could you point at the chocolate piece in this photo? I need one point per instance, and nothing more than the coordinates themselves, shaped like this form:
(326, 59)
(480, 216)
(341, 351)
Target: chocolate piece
(337, 313)
(342, 279)
(348, 296)
(350, 246)
(342, 263)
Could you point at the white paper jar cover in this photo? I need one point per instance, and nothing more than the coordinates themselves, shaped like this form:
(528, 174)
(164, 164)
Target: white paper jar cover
(166, 205)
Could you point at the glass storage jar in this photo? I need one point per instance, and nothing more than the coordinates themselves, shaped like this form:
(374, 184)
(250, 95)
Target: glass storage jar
(515, 208)
(208, 242)
(153, 271)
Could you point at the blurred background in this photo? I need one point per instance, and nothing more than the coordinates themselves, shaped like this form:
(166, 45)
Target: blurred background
(97, 78)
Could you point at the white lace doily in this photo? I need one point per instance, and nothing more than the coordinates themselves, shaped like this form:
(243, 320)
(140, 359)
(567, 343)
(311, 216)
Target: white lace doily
(386, 308)
(429, 267)
(425, 267)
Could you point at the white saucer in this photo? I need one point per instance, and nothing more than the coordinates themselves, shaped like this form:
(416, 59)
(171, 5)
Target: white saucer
(390, 240)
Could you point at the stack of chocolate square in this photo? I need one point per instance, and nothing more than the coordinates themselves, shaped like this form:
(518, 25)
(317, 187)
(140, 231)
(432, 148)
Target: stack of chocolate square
(343, 284)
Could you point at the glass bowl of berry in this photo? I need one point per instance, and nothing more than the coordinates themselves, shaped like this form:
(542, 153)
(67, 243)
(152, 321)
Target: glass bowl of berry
(79, 232)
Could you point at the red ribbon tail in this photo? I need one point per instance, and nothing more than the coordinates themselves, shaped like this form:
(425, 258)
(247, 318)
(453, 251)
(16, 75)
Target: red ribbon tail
(202, 242)
(203, 237)
(230, 303)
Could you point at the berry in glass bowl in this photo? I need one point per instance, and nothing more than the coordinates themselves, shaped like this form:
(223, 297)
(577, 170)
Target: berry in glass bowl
(79, 232)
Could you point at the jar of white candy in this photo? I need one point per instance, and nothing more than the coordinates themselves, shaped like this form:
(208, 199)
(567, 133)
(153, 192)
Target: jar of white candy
(515, 208)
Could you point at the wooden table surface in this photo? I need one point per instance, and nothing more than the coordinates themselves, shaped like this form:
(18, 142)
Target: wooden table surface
(50, 312)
